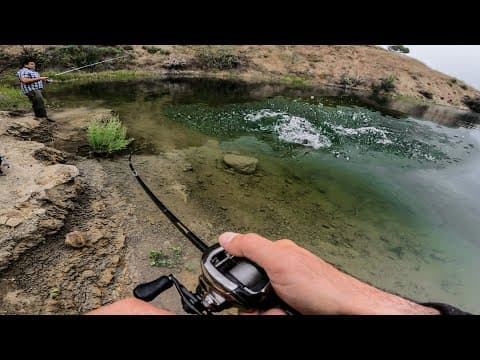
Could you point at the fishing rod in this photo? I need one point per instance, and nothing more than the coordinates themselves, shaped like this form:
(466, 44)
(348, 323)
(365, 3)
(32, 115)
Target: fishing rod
(96, 63)
(194, 239)
(226, 281)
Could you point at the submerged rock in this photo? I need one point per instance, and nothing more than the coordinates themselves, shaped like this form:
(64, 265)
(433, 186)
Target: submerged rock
(241, 164)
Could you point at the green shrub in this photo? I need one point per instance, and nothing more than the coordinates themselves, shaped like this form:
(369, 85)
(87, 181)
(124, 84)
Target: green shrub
(107, 135)
(12, 98)
(164, 51)
(219, 59)
(72, 56)
(163, 259)
(472, 103)
(348, 81)
(9, 61)
(293, 80)
(151, 49)
(399, 48)
(154, 50)
(386, 85)
(69, 56)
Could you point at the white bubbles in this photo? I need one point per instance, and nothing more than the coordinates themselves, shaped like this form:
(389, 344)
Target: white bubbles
(262, 114)
(292, 129)
(298, 130)
(339, 129)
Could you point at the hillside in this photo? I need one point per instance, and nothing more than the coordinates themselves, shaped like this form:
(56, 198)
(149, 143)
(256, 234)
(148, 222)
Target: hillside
(351, 66)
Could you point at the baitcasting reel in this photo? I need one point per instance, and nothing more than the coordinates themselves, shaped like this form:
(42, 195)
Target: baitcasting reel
(226, 281)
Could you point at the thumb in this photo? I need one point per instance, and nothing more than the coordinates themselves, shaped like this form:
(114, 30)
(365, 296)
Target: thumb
(252, 246)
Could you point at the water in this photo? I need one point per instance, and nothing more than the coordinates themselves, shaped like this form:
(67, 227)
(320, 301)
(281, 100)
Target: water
(389, 199)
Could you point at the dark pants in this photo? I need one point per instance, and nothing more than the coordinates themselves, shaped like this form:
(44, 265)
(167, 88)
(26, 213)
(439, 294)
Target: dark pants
(36, 98)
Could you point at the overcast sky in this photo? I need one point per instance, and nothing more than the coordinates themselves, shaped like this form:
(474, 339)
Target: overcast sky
(460, 61)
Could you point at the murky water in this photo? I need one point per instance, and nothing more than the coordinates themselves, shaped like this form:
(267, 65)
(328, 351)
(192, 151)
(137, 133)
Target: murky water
(390, 199)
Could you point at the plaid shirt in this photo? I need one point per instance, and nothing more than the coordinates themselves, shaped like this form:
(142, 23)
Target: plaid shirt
(27, 73)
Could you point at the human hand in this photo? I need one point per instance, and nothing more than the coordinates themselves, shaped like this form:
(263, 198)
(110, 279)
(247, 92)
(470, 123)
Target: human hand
(312, 286)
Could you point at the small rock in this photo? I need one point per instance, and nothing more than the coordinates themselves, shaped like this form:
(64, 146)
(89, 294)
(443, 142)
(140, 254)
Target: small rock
(10, 212)
(57, 174)
(88, 274)
(241, 164)
(76, 239)
(12, 222)
(107, 277)
(119, 241)
(115, 259)
(94, 235)
(96, 291)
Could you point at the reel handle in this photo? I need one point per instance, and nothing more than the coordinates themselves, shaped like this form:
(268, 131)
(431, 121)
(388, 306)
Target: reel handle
(152, 289)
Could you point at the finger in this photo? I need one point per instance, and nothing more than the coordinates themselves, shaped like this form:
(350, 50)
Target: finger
(252, 246)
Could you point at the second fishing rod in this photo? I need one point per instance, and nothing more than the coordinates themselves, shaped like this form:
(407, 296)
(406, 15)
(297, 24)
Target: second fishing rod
(85, 66)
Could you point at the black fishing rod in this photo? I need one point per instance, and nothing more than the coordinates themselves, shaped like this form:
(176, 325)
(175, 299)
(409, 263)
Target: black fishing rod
(194, 239)
(225, 281)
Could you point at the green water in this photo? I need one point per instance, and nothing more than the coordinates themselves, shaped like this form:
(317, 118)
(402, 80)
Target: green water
(389, 199)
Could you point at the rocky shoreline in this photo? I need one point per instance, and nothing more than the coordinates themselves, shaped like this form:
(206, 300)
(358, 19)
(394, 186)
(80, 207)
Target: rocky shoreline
(76, 232)
(49, 196)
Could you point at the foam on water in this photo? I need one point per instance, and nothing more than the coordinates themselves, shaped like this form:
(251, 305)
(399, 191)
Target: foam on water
(298, 130)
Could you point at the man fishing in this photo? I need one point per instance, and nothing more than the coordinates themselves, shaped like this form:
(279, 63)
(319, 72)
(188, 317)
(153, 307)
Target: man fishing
(31, 84)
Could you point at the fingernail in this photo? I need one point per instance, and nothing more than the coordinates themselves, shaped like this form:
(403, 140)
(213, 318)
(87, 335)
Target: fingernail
(225, 238)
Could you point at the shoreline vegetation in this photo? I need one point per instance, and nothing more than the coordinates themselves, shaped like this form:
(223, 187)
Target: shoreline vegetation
(364, 68)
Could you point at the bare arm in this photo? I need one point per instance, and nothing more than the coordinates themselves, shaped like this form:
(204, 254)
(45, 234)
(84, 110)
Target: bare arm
(25, 80)
(313, 286)
(304, 281)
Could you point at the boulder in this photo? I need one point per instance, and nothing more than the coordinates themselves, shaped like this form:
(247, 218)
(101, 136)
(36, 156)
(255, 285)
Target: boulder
(240, 163)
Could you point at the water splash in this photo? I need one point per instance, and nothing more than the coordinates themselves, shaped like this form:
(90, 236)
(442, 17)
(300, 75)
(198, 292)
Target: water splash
(342, 131)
